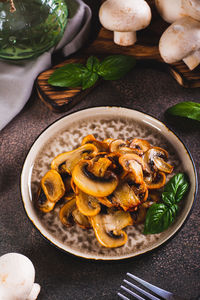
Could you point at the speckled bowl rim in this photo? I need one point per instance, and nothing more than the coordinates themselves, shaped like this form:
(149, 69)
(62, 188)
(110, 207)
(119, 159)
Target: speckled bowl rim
(103, 110)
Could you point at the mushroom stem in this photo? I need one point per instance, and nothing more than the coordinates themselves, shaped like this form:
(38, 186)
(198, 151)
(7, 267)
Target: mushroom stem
(34, 292)
(125, 38)
(193, 60)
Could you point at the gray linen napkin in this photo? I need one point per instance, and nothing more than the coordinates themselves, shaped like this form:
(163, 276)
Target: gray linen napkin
(17, 79)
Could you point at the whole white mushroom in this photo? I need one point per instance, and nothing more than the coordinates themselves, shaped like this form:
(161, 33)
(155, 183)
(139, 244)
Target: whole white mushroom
(181, 41)
(17, 275)
(172, 10)
(125, 17)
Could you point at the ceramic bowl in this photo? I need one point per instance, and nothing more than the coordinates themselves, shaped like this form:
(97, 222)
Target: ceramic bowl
(104, 122)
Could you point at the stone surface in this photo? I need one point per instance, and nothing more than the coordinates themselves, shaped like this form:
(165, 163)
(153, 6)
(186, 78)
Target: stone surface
(174, 266)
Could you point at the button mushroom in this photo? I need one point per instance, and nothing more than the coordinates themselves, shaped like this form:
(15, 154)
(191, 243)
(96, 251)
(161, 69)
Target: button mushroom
(125, 18)
(181, 41)
(53, 186)
(170, 10)
(17, 275)
(91, 184)
(108, 228)
(154, 157)
(87, 204)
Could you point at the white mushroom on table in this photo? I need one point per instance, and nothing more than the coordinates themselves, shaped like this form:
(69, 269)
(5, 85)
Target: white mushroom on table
(181, 40)
(124, 18)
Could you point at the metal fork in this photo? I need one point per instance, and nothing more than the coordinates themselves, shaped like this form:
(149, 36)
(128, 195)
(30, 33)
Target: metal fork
(156, 290)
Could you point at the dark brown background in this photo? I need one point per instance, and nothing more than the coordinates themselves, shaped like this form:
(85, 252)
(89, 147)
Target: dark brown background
(174, 265)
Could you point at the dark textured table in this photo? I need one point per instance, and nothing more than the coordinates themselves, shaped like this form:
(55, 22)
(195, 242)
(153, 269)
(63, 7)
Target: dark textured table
(175, 265)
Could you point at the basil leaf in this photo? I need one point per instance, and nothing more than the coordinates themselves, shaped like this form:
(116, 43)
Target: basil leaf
(168, 198)
(115, 66)
(188, 109)
(70, 75)
(157, 219)
(178, 186)
(89, 79)
(93, 63)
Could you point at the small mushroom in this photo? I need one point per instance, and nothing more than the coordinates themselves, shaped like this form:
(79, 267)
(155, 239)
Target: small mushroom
(181, 41)
(91, 184)
(87, 204)
(108, 228)
(66, 161)
(17, 275)
(42, 203)
(80, 219)
(53, 186)
(157, 182)
(125, 18)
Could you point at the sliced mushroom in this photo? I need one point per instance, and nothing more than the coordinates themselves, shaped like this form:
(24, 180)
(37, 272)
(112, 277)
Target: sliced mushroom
(91, 184)
(108, 141)
(124, 197)
(80, 219)
(100, 166)
(154, 157)
(53, 186)
(42, 203)
(101, 146)
(134, 164)
(65, 213)
(66, 161)
(157, 182)
(87, 204)
(140, 145)
(108, 228)
(116, 145)
(140, 189)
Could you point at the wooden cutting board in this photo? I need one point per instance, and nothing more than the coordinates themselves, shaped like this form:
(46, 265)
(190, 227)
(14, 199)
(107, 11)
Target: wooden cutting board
(146, 48)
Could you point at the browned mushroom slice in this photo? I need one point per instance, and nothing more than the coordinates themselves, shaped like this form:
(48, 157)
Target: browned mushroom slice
(108, 228)
(124, 197)
(91, 184)
(66, 161)
(42, 203)
(108, 141)
(115, 145)
(140, 145)
(80, 219)
(155, 158)
(158, 181)
(53, 186)
(100, 166)
(65, 213)
(101, 146)
(134, 164)
(87, 204)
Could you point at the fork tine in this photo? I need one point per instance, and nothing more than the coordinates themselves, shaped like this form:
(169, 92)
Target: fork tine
(132, 293)
(158, 291)
(150, 296)
(122, 296)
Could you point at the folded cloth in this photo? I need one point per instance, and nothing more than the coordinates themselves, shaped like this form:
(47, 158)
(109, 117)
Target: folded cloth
(17, 79)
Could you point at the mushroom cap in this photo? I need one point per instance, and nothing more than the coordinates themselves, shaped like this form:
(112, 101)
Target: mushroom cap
(17, 275)
(125, 16)
(180, 40)
(192, 8)
(170, 10)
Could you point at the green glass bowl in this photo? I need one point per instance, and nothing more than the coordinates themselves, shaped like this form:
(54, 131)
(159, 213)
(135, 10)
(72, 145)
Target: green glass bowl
(35, 27)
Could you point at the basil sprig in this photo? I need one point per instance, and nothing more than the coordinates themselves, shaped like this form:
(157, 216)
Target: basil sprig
(188, 109)
(161, 215)
(74, 75)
